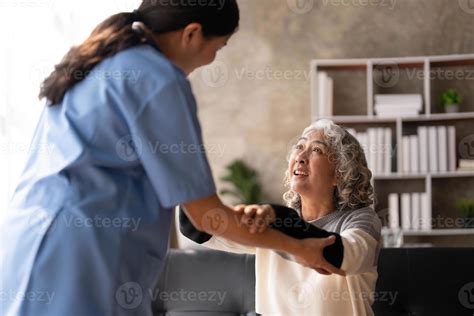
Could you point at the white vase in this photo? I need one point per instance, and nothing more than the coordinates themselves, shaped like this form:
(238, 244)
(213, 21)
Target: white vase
(452, 108)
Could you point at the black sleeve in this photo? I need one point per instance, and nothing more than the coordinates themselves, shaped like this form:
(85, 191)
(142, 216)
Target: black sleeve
(288, 222)
(187, 229)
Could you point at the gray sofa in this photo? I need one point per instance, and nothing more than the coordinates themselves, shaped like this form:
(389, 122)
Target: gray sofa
(412, 281)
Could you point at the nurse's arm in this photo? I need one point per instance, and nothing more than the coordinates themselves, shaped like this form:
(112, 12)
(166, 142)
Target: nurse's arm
(211, 216)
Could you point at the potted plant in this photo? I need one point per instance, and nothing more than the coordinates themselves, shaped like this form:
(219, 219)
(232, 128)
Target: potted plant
(451, 100)
(244, 180)
(465, 208)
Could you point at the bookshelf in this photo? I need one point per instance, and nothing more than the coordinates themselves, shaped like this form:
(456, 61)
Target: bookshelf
(424, 75)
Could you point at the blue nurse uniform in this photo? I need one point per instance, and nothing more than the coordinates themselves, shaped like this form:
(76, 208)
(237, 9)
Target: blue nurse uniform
(87, 230)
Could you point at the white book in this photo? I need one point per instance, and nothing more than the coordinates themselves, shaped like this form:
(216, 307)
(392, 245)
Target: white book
(406, 154)
(405, 211)
(329, 96)
(452, 148)
(414, 154)
(372, 142)
(433, 148)
(426, 216)
(396, 98)
(388, 150)
(363, 140)
(393, 209)
(396, 114)
(322, 91)
(443, 148)
(415, 211)
(380, 151)
(423, 141)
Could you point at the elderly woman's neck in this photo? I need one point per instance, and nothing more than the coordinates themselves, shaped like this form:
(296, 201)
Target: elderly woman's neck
(312, 209)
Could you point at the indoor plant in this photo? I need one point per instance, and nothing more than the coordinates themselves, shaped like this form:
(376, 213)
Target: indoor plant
(465, 208)
(244, 180)
(451, 100)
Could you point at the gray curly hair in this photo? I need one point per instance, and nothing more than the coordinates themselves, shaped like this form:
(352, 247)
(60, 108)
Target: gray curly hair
(354, 189)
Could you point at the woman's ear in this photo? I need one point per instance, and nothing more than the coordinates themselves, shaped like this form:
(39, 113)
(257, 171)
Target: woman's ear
(192, 35)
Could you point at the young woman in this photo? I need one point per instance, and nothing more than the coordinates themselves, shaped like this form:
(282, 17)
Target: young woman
(87, 231)
(329, 190)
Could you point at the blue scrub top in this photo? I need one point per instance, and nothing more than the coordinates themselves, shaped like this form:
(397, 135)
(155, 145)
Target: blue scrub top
(88, 227)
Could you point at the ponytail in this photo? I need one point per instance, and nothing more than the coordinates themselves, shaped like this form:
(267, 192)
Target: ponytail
(116, 34)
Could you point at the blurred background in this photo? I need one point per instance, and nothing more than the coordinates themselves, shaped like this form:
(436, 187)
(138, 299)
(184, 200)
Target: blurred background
(255, 99)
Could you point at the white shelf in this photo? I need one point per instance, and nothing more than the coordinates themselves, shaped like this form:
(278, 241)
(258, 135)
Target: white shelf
(354, 119)
(440, 232)
(438, 175)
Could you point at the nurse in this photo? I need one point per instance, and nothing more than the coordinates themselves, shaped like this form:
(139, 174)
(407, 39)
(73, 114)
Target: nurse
(88, 227)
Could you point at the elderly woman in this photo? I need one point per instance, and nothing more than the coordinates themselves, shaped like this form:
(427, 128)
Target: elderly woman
(329, 189)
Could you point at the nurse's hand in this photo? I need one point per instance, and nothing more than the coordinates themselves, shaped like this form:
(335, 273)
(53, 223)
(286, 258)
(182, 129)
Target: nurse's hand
(311, 255)
(256, 217)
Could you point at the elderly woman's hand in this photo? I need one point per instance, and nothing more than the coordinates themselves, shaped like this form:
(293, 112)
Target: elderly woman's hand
(311, 255)
(256, 217)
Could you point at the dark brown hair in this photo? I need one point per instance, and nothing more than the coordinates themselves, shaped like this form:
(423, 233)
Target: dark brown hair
(218, 18)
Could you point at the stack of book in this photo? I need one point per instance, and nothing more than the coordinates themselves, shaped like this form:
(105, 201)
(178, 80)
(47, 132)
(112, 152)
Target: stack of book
(398, 105)
(432, 150)
(325, 95)
(410, 211)
(377, 145)
(466, 165)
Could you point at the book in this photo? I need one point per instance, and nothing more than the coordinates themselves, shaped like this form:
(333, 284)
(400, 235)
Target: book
(466, 165)
(414, 155)
(393, 210)
(325, 94)
(380, 168)
(388, 150)
(372, 147)
(405, 211)
(433, 148)
(423, 142)
(415, 211)
(406, 154)
(452, 149)
(442, 149)
(426, 216)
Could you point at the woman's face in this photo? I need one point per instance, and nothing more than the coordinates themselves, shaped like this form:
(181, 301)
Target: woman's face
(311, 171)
